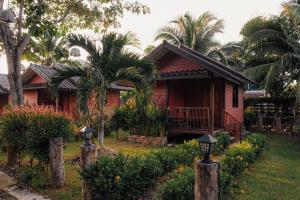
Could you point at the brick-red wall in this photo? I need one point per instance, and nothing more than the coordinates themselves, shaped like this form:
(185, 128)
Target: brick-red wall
(31, 97)
(160, 93)
(173, 62)
(37, 79)
(113, 98)
(238, 112)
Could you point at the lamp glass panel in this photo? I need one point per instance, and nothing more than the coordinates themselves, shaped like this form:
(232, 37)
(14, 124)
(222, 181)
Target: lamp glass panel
(204, 148)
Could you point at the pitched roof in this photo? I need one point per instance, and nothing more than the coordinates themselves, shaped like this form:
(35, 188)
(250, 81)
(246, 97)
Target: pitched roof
(210, 64)
(182, 73)
(48, 71)
(4, 84)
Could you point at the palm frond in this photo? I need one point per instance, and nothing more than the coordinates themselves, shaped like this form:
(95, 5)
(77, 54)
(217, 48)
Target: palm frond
(83, 42)
(84, 90)
(63, 74)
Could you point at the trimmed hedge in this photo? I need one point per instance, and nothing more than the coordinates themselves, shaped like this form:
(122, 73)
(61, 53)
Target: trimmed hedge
(180, 186)
(235, 160)
(128, 178)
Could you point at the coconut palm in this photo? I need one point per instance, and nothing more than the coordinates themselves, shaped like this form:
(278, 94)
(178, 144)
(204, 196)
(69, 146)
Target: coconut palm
(105, 65)
(198, 34)
(273, 56)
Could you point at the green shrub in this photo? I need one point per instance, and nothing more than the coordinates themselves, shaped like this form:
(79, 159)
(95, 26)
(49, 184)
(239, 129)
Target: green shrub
(151, 121)
(128, 178)
(122, 178)
(258, 142)
(249, 118)
(223, 142)
(173, 157)
(180, 186)
(28, 130)
(237, 158)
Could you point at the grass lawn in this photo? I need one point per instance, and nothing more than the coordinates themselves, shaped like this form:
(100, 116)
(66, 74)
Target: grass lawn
(276, 176)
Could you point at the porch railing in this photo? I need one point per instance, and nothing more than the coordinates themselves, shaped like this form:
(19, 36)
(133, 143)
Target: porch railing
(199, 118)
(232, 125)
(191, 117)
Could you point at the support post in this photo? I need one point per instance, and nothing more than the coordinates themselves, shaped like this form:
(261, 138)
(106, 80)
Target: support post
(206, 181)
(88, 156)
(57, 167)
(57, 103)
(278, 125)
(212, 104)
(260, 123)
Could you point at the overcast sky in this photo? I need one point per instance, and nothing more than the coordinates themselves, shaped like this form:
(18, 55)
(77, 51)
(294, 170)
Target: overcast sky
(234, 12)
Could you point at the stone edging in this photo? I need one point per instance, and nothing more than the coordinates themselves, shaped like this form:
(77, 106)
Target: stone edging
(155, 141)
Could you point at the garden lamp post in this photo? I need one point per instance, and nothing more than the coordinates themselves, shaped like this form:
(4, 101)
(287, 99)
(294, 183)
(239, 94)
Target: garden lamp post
(87, 134)
(206, 171)
(88, 156)
(207, 144)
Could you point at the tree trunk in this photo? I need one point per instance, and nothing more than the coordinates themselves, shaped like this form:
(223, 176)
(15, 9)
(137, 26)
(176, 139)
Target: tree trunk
(14, 76)
(101, 132)
(57, 168)
(12, 157)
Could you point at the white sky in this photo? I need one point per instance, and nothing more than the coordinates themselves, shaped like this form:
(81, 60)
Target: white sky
(234, 12)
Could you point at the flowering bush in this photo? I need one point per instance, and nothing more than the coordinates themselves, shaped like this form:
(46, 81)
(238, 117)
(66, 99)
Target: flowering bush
(28, 129)
(237, 158)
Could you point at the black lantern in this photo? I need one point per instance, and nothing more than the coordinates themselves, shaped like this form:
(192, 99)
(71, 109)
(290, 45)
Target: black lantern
(207, 144)
(87, 134)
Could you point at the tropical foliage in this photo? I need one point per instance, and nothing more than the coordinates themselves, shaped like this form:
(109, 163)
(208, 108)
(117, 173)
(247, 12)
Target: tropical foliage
(108, 64)
(272, 45)
(140, 116)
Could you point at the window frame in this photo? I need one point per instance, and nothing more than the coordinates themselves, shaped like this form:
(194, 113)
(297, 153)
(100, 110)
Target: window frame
(235, 96)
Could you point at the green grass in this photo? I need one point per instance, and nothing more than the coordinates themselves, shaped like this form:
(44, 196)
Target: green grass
(276, 176)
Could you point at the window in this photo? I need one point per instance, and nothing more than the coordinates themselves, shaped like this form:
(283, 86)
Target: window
(235, 96)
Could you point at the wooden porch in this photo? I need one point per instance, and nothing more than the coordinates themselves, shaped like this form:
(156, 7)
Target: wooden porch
(198, 121)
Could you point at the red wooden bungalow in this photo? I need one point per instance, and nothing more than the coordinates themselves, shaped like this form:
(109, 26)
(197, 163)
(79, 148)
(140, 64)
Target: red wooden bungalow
(35, 80)
(202, 94)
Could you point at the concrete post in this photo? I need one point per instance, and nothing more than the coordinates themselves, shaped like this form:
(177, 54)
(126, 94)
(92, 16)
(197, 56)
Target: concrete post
(278, 125)
(206, 181)
(57, 166)
(88, 156)
(260, 122)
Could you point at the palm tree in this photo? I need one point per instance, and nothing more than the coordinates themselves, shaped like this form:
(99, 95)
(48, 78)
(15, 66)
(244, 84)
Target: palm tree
(273, 56)
(198, 34)
(108, 64)
(47, 49)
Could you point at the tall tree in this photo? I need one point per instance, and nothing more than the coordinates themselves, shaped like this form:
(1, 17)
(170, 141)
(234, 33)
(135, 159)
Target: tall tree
(196, 33)
(106, 65)
(35, 16)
